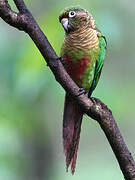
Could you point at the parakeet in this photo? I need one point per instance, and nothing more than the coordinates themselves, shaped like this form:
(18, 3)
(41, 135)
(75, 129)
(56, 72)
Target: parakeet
(83, 52)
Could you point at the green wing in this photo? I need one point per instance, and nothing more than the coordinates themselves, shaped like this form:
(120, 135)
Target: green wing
(99, 63)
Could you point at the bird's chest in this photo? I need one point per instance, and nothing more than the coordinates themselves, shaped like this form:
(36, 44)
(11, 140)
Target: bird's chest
(76, 69)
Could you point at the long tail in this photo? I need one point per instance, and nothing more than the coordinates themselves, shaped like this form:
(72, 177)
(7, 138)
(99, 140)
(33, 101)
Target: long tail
(72, 120)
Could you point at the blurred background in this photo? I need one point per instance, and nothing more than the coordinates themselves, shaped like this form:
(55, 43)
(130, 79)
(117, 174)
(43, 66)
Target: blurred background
(31, 101)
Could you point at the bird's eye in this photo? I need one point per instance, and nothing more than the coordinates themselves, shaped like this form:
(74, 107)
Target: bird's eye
(72, 13)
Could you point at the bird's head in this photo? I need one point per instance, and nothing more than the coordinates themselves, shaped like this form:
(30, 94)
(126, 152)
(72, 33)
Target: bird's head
(73, 18)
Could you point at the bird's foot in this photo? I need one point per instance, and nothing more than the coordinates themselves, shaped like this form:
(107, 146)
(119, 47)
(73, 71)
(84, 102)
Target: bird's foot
(62, 61)
(81, 91)
(94, 100)
(59, 58)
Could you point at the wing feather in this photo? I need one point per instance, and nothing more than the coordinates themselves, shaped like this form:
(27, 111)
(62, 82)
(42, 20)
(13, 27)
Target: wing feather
(99, 63)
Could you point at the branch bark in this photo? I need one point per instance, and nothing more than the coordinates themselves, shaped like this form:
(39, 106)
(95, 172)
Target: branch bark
(94, 108)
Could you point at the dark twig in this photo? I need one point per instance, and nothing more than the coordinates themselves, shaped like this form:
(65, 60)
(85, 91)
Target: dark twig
(21, 6)
(92, 107)
(7, 14)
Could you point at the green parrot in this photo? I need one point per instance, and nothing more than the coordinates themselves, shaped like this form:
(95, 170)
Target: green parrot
(83, 52)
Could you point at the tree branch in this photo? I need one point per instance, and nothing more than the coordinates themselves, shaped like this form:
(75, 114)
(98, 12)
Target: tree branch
(7, 14)
(21, 6)
(23, 20)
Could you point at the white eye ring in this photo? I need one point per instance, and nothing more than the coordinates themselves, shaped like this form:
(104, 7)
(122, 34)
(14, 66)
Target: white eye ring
(72, 14)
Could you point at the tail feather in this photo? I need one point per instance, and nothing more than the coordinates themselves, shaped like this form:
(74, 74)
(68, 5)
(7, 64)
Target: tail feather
(71, 131)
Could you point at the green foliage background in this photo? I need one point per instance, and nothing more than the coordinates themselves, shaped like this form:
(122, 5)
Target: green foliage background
(31, 101)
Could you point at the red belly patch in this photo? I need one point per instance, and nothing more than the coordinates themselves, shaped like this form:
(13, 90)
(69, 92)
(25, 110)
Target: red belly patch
(76, 70)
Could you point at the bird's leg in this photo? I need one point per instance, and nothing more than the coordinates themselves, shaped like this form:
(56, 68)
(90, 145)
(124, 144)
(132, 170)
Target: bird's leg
(59, 58)
(81, 91)
(94, 100)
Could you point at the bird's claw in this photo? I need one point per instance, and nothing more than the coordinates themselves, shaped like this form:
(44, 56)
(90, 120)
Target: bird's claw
(94, 100)
(59, 58)
(81, 91)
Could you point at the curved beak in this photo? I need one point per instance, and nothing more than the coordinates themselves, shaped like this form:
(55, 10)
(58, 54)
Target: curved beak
(64, 23)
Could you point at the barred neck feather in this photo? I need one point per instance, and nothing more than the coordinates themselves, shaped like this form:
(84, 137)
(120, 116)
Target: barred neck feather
(85, 37)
